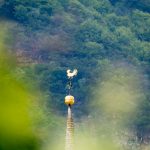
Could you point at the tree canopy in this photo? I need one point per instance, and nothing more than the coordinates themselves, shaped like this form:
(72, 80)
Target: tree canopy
(54, 35)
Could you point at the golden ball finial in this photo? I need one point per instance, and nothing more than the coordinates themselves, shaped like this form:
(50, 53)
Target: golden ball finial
(69, 100)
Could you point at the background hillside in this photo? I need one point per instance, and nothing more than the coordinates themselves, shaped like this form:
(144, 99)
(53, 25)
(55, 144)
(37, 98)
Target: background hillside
(50, 36)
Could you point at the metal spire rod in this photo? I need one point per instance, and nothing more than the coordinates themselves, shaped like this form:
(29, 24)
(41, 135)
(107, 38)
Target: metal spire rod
(70, 76)
(69, 130)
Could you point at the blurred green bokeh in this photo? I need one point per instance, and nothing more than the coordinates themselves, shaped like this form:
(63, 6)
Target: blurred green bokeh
(16, 124)
(25, 121)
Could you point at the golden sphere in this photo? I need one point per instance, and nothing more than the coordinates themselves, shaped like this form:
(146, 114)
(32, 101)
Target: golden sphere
(69, 100)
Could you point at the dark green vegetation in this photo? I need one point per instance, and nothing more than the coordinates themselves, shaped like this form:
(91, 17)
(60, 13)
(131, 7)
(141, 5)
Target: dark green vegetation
(54, 35)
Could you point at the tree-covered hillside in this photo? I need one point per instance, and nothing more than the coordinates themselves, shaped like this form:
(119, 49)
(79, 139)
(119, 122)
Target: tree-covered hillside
(51, 36)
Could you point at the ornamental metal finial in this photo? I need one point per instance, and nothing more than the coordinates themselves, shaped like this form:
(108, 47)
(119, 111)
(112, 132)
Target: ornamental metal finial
(69, 101)
(70, 75)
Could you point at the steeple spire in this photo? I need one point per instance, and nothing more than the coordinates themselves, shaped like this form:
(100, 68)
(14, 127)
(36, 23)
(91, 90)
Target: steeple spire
(69, 101)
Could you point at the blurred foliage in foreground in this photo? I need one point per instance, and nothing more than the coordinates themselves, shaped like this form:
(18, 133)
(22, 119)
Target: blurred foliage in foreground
(16, 127)
(25, 123)
(114, 110)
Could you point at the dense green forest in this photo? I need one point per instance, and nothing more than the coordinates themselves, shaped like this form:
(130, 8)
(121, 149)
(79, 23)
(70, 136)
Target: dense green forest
(94, 36)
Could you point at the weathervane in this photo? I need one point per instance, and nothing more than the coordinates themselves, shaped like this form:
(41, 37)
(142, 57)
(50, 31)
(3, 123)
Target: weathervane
(69, 101)
(70, 76)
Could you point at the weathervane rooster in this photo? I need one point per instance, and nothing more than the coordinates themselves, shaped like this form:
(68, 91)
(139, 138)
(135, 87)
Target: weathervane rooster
(71, 74)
